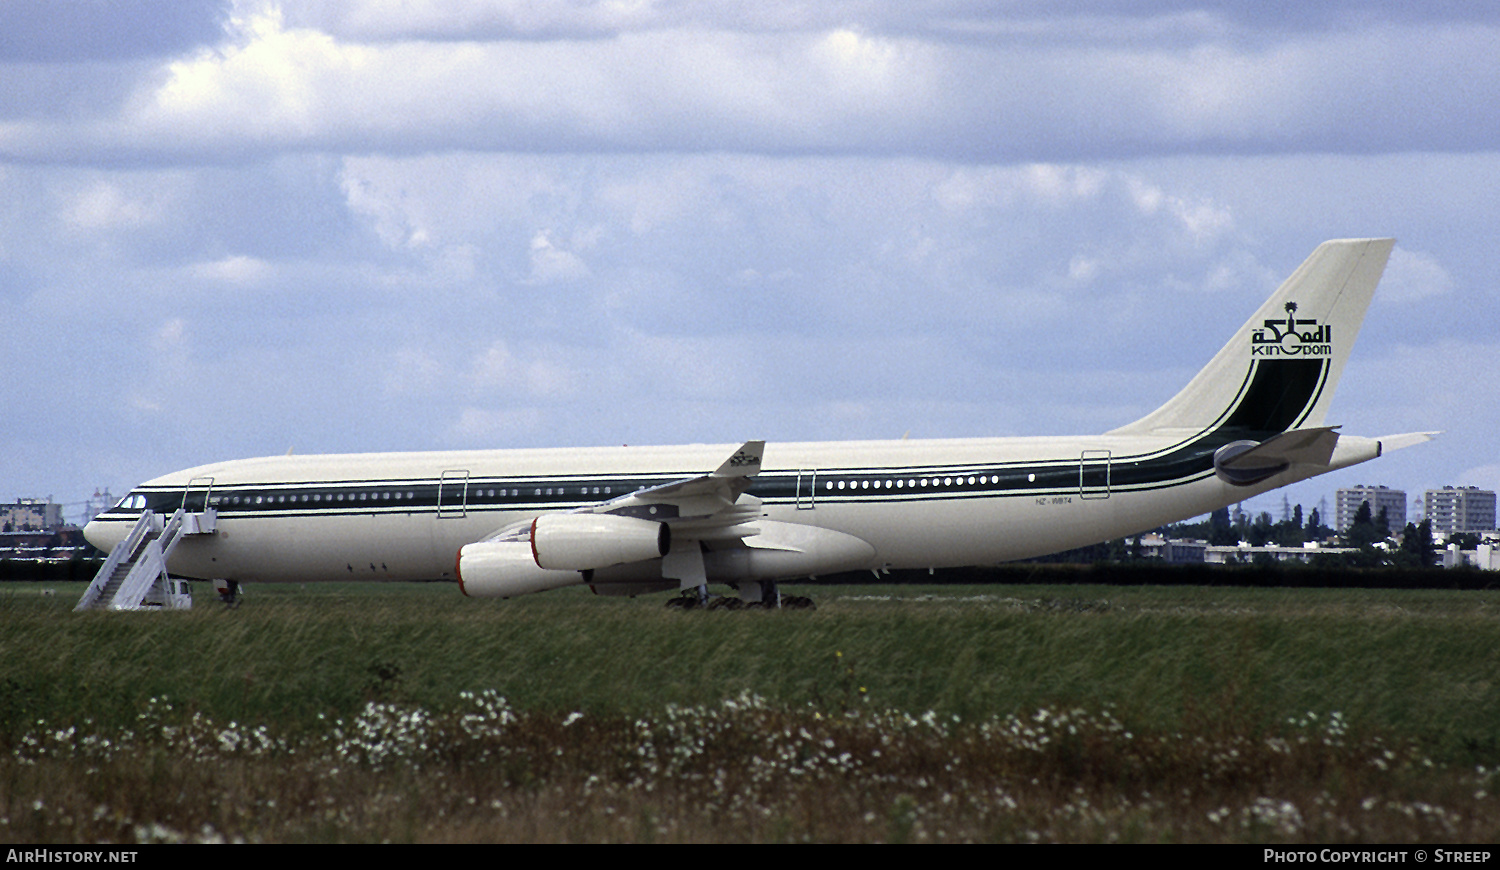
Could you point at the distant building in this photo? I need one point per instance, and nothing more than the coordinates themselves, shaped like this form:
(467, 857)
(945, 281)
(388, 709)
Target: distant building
(1350, 498)
(1485, 557)
(31, 515)
(1459, 509)
(1246, 553)
(97, 504)
(1154, 546)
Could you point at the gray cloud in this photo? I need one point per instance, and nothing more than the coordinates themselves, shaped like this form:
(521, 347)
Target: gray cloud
(507, 223)
(270, 86)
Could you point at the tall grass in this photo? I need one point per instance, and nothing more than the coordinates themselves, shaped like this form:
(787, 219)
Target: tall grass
(888, 713)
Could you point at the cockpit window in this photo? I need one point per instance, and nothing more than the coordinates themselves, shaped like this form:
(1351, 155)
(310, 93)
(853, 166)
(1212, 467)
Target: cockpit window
(134, 502)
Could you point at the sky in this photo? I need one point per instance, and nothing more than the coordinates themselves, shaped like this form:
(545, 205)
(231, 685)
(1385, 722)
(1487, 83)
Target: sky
(233, 229)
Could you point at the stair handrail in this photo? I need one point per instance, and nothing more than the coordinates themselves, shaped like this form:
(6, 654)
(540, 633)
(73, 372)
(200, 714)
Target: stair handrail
(151, 565)
(171, 532)
(122, 551)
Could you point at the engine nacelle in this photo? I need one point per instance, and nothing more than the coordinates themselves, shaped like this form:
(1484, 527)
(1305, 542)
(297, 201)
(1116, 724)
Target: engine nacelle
(582, 542)
(780, 551)
(491, 569)
(785, 550)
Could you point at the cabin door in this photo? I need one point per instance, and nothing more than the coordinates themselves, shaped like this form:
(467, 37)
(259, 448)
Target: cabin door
(807, 488)
(1093, 474)
(453, 495)
(195, 496)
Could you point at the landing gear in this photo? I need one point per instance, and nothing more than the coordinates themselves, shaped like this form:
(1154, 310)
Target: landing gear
(753, 596)
(768, 594)
(229, 592)
(797, 602)
(692, 598)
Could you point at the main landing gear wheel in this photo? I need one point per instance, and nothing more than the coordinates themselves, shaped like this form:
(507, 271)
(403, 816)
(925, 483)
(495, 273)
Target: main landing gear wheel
(686, 601)
(229, 592)
(689, 601)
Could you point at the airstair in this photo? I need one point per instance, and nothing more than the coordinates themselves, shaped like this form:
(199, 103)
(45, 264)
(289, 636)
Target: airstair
(134, 577)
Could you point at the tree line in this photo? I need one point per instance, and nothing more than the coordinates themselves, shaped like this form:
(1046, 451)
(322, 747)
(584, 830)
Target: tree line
(1370, 535)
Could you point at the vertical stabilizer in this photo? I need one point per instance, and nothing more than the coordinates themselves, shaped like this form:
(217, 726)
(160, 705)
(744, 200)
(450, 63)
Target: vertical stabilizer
(1279, 370)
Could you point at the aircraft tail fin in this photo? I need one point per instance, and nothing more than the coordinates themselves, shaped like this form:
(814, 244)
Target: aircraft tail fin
(1279, 370)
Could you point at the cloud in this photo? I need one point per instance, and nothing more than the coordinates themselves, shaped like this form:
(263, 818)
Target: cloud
(511, 221)
(412, 371)
(107, 205)
(552, 265)
(497, 371)
(522, 80)
(169, 337)
(1482, 476)
(264, 82)
(167, 372)
(238, 270)
(492, 428)
(1412, 275)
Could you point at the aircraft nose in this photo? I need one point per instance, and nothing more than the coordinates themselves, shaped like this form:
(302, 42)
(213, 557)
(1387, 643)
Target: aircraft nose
(104, 535)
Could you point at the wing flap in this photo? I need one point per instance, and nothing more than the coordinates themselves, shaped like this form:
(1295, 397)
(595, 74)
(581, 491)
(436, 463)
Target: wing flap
(701, 496)
(708, 507)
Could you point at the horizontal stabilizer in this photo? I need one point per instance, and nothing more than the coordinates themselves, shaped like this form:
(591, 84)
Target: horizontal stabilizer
(1243, 463)
(1408, 439)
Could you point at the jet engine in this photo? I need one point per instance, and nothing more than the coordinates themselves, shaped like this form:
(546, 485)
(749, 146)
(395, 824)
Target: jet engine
(778, 551)
(581, 542)
(504, 569)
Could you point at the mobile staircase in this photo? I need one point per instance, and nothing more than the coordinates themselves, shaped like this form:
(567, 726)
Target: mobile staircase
(134, 577)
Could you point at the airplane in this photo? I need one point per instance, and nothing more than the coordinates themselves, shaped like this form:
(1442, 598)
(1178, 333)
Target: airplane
(632, 520)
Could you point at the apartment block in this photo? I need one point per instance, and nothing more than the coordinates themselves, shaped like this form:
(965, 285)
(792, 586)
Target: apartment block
(1459, 509)
(1350, 498)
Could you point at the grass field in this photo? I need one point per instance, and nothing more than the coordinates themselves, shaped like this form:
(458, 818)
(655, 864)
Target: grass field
(405, 712)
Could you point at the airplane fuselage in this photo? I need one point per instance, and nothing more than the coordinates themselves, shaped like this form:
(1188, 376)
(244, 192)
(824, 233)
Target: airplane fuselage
(920, 504)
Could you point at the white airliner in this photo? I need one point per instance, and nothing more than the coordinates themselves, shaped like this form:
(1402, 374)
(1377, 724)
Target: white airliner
(626, 520)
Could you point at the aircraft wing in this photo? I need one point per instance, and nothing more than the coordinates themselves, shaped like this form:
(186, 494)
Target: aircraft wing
(707, 507)
(670, 521)
(700, 496)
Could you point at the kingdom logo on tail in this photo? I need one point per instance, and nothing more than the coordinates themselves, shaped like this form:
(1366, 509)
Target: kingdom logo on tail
(1309, 341)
